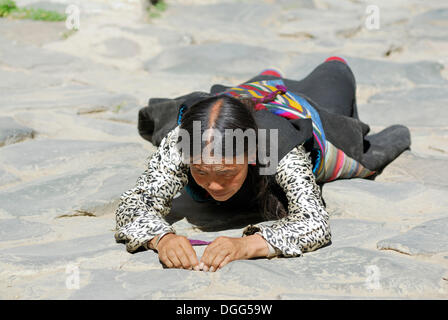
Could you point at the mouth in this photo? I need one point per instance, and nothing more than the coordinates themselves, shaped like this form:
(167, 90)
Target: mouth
(218, 195)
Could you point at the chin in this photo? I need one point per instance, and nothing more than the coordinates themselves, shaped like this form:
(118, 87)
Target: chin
(222, 198)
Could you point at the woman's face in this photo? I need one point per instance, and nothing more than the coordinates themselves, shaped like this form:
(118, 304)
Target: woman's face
(221, 181)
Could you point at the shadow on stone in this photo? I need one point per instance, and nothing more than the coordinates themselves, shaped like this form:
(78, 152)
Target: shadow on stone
(210, 217)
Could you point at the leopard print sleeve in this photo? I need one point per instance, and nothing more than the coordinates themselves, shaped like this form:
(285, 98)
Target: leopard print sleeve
(306, 227)
(141, 211)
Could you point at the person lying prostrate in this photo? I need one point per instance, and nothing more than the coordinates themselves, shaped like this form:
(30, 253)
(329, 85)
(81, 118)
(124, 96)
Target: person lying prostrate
(314, 136)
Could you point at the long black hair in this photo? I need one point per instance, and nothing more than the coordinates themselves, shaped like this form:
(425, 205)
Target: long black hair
(225, 112)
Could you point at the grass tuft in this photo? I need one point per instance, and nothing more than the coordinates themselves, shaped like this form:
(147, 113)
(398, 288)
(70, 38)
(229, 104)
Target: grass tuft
(8, 8)
(118, 107)
(156, 10)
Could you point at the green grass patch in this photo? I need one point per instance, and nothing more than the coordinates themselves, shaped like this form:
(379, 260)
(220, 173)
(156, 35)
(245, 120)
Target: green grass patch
(156, 10)
(8, 8)
(161, 6)
(118, 107)
(38, 14)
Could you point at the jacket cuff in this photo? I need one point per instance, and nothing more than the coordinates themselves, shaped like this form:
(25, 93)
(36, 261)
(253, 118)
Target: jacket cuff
(135, 238)
(281, 243)
(273, 252)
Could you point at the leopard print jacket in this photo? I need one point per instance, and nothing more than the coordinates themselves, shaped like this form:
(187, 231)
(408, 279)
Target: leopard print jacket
(141, 211)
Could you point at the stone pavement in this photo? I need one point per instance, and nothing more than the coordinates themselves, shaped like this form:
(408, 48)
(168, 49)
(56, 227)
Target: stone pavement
(69, 146)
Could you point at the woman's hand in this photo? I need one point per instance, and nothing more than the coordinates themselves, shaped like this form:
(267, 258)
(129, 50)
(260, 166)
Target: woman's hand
(176, 252)
(225, 249)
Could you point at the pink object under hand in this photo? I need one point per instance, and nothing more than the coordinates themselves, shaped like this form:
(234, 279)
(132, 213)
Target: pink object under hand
(194, 242)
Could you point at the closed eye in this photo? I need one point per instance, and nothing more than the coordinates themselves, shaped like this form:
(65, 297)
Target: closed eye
(199, 172)
(226, 173)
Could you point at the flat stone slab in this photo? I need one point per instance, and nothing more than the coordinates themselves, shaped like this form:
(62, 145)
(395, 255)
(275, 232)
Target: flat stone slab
(430, 142)
(125, 111)
(119, 126)
(215, 58)
(398, 204)
(375, 73)
(342, 272)
(86, 190)
(389, 74)
(32, 32)
(68, 175)
(427, 238)
(411, 167)
(126, 117)
(430, 24)
(72, 96)
(293, 4)
(426, 95)
(7, 177)
(84, 79)
(224, 21)
(412, 107)
(18, 229)
(50, 153)
(164, 37)
(59, 252)
(19, 81)
(306, 24)
(11, 131)
(119, 47)
(346, 232)
(18, 55)
(133, 288)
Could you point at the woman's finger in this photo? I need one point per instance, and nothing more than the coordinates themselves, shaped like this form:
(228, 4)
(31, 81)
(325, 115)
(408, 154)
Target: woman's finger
(216, 243)
(182, 256)
(174, 259)
(206, 256)
(191, 255)
(165, 260)
(226, 260)
(209, 255)
(219, 258)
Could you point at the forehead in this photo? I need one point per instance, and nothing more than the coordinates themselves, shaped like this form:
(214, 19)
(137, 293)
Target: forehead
(225, 163)
(217, 167)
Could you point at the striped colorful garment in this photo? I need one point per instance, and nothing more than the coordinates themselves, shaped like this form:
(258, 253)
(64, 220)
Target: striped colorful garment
(331, 163)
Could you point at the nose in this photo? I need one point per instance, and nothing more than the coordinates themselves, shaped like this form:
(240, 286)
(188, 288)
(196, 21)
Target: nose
(215, 186)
